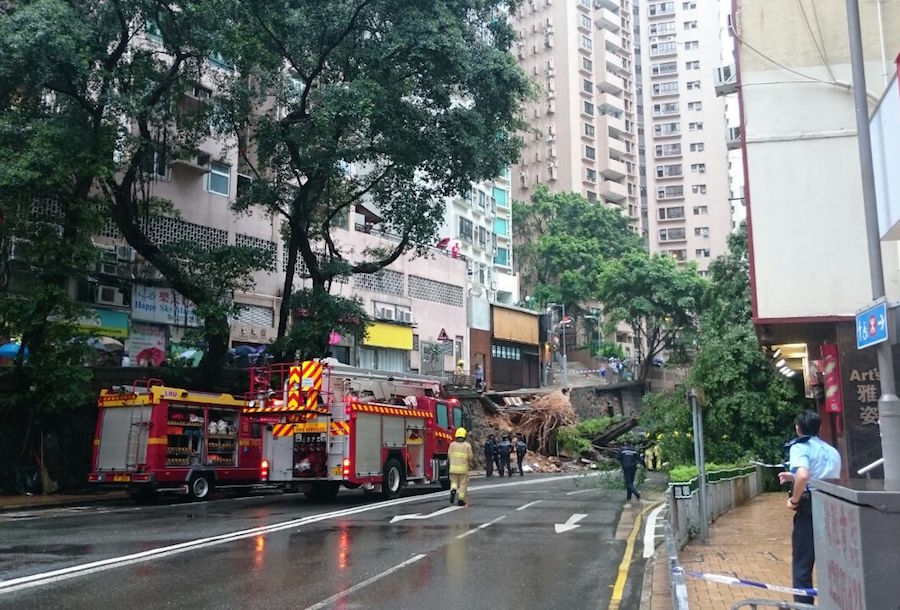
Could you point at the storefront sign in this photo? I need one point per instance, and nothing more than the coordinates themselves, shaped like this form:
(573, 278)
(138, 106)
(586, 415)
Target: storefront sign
(162, 305)
(105, 323)
(391, 336)
(145, 337)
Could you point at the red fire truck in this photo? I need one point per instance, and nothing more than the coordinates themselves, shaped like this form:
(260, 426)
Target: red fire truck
(154, 439)
(328, 426)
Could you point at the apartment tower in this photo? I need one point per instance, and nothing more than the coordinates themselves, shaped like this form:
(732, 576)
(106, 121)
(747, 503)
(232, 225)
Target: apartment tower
(582, 139)
(689, 213)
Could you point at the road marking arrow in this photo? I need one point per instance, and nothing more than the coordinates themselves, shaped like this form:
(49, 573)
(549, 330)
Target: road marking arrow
(881, 321)
(570, 524)
(443, 511)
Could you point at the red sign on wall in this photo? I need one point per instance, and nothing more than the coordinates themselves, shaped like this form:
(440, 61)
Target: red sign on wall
(831, 371)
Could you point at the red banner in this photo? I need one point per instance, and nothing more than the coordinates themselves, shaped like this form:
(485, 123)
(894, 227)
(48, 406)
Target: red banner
(831, 371)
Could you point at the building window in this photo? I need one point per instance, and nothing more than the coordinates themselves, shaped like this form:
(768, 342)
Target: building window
(155, 165)
(688, 5)
(660, 29)
(699, 188)
(691, 44)
(666, 129)
(589, 130)
(693, 85)
(466, 230)
(696, 106)
(219, 179)
(698, 168)
(591, 196)
(587, 86)
(697, 147)
(690, 25)
(662, 8)
(667, 88)
(663, 48)
(586, 43)
(701, 232)
(673, 234)
(585, 21)
(665, 109)
(668, 171)
(702, 252)
(587, 64)
(590, 174)
(588, 108)
(671, 213)
(668, 150)
(669, 67)
(670, 192)
(502, 257)
(590, 152)
(698, 126)
(701, 210)
(692, 65)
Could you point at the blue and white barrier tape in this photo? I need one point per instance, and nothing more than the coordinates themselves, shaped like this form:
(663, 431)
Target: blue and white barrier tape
(741, 582)
(782, 465)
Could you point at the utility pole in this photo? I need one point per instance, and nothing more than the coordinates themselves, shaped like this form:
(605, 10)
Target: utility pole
(560, 330)
(888, 404)
(700, 458)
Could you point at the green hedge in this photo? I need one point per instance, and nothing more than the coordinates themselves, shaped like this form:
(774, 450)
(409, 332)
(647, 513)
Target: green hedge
(714, 472)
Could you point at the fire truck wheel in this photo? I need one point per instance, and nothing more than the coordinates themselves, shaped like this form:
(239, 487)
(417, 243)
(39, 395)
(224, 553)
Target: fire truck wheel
(393, 480)
(323, 492)
(199, 487)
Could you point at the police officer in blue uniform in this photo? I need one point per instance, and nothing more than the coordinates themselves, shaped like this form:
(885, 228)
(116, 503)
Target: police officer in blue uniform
(505, 448)
(810, 459)
(490, 447)
(629, 457)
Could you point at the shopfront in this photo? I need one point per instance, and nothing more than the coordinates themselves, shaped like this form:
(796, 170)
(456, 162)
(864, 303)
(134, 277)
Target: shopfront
(514, 348)
(386, 347)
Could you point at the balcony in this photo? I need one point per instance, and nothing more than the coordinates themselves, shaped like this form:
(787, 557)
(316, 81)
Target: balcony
(610, 5)
(725, 80)
(617, 149)
(612, 42)
(608, 20)
(654, 13)
(663, 49)
(613, 125)
(616, 65)
(610, 83)
(613, 191)
(733, 138)
(614, 170)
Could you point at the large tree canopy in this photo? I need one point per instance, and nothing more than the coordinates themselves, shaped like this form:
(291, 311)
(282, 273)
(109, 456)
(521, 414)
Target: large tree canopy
(395, 103)
(659, 299)
(564, 241)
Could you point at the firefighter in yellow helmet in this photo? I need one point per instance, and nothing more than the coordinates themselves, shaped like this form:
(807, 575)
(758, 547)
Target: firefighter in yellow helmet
(460, 456)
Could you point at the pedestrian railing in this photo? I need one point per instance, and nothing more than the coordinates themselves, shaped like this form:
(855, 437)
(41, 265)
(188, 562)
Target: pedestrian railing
(753, 604)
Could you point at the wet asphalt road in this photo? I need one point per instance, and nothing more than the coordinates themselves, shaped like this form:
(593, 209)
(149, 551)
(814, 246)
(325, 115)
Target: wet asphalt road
(281, 551)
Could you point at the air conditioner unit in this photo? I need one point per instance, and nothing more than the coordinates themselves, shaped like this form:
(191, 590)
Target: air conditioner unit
(405, 316)
(198, 161)
(125, 253)
(107, 268)
(110, 295)
(384, 313)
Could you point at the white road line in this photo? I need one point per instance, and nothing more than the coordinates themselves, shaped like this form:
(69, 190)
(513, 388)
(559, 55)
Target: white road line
(327, 602)
(580, 491)
(524, 506)
(480, 527)
(650, 531)
(35, 580)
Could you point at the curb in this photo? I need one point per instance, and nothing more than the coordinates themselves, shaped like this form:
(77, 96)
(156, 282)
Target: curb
(14, 503)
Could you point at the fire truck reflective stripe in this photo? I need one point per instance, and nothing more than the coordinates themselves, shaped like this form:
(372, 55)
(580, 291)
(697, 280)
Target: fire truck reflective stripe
(282, 430)
(158, 440)
(391, 411)
(339, 428)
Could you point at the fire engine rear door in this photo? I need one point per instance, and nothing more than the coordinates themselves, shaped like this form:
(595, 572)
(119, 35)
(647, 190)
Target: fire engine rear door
(279, 450)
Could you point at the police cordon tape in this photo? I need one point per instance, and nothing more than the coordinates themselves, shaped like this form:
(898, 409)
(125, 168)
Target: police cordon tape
(783, 465)
(741, 582)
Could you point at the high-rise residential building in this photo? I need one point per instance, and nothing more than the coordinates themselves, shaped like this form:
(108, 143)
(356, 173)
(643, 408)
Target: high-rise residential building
(684, 129)
(583, 134)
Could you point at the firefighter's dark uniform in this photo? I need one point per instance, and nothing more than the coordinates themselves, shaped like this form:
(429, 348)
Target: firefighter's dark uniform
(629, 458)
(505, 449)
(521, 449)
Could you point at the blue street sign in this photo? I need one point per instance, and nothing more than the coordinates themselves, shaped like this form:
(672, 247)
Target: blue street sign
(872, 326)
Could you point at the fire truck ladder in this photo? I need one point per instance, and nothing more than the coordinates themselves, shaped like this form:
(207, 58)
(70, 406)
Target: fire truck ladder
(138, 429)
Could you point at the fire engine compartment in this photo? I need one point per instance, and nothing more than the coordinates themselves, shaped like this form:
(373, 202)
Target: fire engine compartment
(311, 455)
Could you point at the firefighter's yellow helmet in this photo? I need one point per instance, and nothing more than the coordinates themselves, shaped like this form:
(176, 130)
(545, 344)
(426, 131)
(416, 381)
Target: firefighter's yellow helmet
(460, 432)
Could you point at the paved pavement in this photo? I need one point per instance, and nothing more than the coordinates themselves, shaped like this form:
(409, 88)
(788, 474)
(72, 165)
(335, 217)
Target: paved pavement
(753, 542)
(539, 541)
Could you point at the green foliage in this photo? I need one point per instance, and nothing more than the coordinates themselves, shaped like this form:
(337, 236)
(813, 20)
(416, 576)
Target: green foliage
(316, 313)
(659, 299)
(685, 473)
(611, 350)
(577, 439)
(564, 242)
(666, 417)
(398, 103)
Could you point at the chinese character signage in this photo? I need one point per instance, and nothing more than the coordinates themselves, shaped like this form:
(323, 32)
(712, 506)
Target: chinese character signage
(860, 391)
(163, 306)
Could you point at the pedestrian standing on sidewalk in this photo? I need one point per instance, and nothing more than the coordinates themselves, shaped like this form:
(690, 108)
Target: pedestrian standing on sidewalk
(810, 459)
(489, 447)
(629, 457)
(460, 456)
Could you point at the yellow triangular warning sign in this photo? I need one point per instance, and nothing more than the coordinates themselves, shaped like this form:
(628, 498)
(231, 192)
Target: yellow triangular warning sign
(443, 335)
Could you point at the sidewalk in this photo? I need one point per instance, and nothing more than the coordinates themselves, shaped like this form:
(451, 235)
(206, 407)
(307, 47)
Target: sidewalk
(20, 502)
(752, 542)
